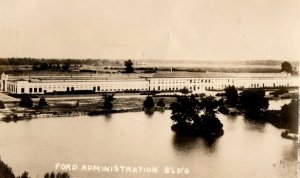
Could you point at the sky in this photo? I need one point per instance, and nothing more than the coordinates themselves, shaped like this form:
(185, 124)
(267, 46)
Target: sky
(151, 29)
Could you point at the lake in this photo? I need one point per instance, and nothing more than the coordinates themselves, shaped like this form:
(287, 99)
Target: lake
(247, 149)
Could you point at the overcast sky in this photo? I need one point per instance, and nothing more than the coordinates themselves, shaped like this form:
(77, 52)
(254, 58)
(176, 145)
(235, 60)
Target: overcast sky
(151, 29)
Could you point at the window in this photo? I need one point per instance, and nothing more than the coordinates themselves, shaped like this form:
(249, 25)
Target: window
(30, 90)
(35, 90)
(40, 89)
(22, 90)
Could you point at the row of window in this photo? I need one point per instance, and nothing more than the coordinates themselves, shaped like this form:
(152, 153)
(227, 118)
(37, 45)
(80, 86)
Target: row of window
(40, 89)
(162, 81)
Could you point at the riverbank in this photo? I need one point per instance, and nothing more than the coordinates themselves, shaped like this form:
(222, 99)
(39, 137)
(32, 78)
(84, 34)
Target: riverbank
(74, 107)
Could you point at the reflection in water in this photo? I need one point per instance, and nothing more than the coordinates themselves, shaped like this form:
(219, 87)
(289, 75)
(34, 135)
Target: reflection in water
(254, 123)
(149, 113)
(108, 117)
(187, 143)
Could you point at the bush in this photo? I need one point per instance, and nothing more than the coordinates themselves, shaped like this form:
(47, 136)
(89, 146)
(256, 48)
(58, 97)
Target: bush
(161, 103)
(57, 175)
(196, 115)
(26, 101)
(148, 103)
(107, 104)
(289, 115)
(254, 101)
(231, 95)
(2, 106)
(42, 102)
(185, 91)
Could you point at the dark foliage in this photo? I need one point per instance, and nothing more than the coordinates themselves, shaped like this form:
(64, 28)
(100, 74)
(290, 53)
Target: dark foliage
(57, 175)
(24, 175)
(42, 103)
(254, 101)
(223, 110)
(148, 103)
(289, 114)
(66, 66)
(286, 66)
(129, 68)
(161, 103)
(107, 104)
(196, 115)
(279, 92)
(184, 90)
(26, 101)
(2, 106)
(231, 95)
(185, 109)
(5, 171)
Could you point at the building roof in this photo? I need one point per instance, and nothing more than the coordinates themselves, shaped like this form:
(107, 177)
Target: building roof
(217, 75)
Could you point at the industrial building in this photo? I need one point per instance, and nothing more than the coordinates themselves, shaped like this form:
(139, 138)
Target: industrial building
(164, 81)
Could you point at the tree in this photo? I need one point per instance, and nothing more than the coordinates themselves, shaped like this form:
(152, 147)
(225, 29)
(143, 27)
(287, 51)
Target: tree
(5, 170)
(24, 175)
(231, 95)
(148, 103)
(254, 101)
(185, 110)
(2, 106)
(57, 175)
(26, 101)
(66, 66)
(129, 68)
(289, 114)
(44, 66)
(161, 103)
(196, 115)
(107, 104)
(42, 103)
(286, 66)
(77, 103)
(185, 90)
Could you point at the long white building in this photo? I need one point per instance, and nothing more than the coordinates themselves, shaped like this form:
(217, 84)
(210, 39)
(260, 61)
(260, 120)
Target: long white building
(164, 81)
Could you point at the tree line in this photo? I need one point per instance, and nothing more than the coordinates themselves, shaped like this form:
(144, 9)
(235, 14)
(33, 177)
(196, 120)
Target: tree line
(7, 172)
(39, 61)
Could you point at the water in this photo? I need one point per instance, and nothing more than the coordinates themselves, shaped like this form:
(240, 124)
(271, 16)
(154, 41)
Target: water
(277, 104)
(247, 149)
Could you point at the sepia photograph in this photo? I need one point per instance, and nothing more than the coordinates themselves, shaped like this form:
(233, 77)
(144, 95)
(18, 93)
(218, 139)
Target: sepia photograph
(149, 88)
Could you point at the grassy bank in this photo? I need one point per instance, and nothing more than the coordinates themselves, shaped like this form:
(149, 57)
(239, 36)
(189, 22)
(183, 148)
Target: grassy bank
(76, 107)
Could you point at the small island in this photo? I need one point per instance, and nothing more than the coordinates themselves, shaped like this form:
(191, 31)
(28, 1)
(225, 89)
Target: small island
(196, 115)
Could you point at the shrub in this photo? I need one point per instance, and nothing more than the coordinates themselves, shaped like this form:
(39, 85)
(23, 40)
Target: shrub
(254, 101)
(107, 104)
(42, 103)
(161, 103)
(26, 101)
(231, 95)
(148, 103)
(2, 106)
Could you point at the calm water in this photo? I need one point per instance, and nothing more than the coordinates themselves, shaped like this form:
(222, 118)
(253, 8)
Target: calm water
(247, 149)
